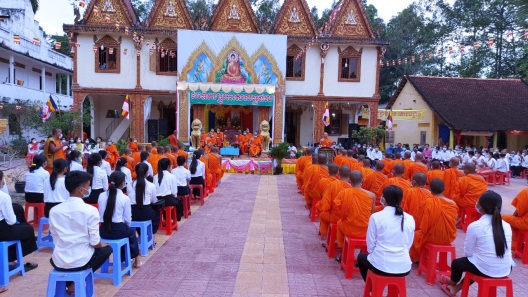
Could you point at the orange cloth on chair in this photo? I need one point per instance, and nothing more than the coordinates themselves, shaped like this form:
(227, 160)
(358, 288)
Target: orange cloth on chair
(133, 147)
(435, 223)
(313, 174)
(470, 188)
(301, 164)
(255, 147)
(329, 209)
(518, 221)
(356, 207)
(113, 154)
(374, 183)
(451, 176)
(413, 199)
(435, 173)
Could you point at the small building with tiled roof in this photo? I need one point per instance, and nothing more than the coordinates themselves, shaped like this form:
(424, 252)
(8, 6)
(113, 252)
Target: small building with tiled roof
(465, 111)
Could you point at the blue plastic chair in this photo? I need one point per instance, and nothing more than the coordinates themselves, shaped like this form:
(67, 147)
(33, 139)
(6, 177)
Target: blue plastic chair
(5, 273)
(145, 240)
(83, 280)
(120, 265)
(46, 240)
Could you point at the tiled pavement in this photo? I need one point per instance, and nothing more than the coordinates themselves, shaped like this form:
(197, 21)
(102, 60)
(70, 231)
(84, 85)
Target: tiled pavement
(253, 237)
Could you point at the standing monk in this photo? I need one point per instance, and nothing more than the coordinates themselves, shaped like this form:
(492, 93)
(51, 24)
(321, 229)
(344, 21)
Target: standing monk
(327, 208)
(215, 163)
(219, 138)
(325, 141)
(435, 221)
(519, 220)
(304, 160)
(415, 196)
(54, 149)
(113, 154)
(173, 138)
(435, 172)
(470, 187)
(375, 181)
(407, 166)
(314, 173)
(357, 205)
(451, 176)
(132, 145)
(154, 158)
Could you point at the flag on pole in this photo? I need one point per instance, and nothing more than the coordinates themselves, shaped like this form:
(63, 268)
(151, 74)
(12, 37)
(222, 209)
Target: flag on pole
(326, 115)
(48, 109)
(16, 39)
(389, 121)
(126, 109)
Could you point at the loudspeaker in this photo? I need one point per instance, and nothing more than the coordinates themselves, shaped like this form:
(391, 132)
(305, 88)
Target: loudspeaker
(352, 127)
(163, 127)
(152, 128)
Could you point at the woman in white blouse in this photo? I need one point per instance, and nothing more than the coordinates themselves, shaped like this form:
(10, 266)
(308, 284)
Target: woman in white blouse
(167, 186)
(36, 178)
(75, 161)
(197, 170)
(142, 194)
(144, 159)
(487, 246)
(121, 165)
(116, 215)
(55, 192)
(99, 178)
(390, 235)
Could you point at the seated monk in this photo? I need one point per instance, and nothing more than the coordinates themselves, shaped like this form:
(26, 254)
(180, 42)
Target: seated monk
(325, 142)
(435, 221)
(352, 163)
(208, 174)
(131, 163)
(173, 139)
(203, 136)
(301, 164)
(357, 205)
(329, 210)
(418, 165)
(519, 220)
(180, 152)
(306, 170)
(397, 180)
(415, 196)
(323, 183)
(397, 160)
(255, 147)
(451, 176)
(210, 141)
(386, 163)
(113, 154)
(244, 143)
(375, 181)
(154, 158)
(407, 165)
(470, 187)
(215, 163)
(132, 145)
(366, 172)
(169, 156)
(435, 172)
(341, 157)
(314, 173)
(136, 155)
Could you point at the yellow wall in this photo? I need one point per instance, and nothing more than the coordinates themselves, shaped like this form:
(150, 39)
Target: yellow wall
(516, 142)
(408, 131)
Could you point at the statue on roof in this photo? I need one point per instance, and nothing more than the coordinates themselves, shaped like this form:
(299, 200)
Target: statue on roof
(294, 16)
(170, 11)
(108, 7)
(351, 19)
(233, 13)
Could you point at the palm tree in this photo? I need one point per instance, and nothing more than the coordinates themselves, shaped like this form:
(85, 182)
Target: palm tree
(34, 5)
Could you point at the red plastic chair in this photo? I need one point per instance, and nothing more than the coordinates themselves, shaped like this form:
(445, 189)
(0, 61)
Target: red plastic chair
(186, 205)
(487, 287)
(313, 211)
(523, 173)
(38, 212)
(348, 261)
(429, 263)
(202, 193)
(330, 241)
(94, 205)
(171, 219)
(375, 284)
(503, 178)
(522, 246)
(467, 216)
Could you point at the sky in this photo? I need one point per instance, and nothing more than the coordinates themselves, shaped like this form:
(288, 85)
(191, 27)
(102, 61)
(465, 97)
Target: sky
(53, 13)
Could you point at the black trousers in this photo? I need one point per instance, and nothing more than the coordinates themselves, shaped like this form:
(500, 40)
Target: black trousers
(516, 170)
(145, 213)
(197, 180)
(120, 231)
(34, 197)
(48, 206)
(94, 196)
(174, 201)
(461, 265)
(364, 266)
(183, 190)
(21, 231)
(99, 256)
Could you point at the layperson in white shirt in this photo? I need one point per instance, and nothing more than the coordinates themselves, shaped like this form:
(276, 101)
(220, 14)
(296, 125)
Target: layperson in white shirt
(78, 245)
(197, 169)
(55, 190)
(36, 178)
(492, 161)
(502, 165)
(376, 154)
(116, 215)
(142, 194)
(167, 187)
(515, 164)
(487, 246)
(121, 165)
(75, 161)
(183, 176)
(144, 155)
(99, 178)
(13, 226)
(104, 164)
(390, 235)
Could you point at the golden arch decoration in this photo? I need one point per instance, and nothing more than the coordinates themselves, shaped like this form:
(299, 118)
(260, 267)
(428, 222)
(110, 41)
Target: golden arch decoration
(264, 52)
(232, 45)
(202, 49)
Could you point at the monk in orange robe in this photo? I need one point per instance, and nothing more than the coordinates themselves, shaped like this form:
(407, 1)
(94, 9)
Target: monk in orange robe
(244, 143)
(131, 164)
(386, 164)
(470, 187)
(366, 172)
(219, 138)
(519, 220)
(169, 155)
(323, 183)
(328, 209)
(215, 163)
(255, 147)
(341, 157)
(325, 141)
(357, 205)
(136, 155)
(352, 163)
(418, 165)
(451, 176)
(415, 196)
(210, 141)
(179, 152)
(208, 175)
(375, 181)
(397, 179)
(54, 149)
(397, 160)
(112, 152)
(435, 172)
(407, 165)
(154, 147)
(173, 139)
(154, 158)
(304, 160)
(313, 174)
(435, 221)
(132, 145)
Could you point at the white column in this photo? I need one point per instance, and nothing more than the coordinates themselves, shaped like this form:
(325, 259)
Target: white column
(43, 75)
(60, 83)
(12, 69)
(68, 84)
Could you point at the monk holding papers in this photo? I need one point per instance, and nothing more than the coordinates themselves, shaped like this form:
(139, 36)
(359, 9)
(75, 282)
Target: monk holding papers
(519, 220)
(329, 208)
(415, 196)
(314, 173)
(470, 187)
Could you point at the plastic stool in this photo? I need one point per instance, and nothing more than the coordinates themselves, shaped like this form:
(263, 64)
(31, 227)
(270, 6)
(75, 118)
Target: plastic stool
(46, 240)
(330, 241)
(121, 264)
(503, 178)
(487, 287)
(429, 263)
(522, 246)
(186, 205)
(202, 193)
(377, 284)
(83, 280)
(38, 212)
(313, 211)
(145, 240)
(348, 261)
(523, 173)
(171, 219)
(5, 273)
(467, 216)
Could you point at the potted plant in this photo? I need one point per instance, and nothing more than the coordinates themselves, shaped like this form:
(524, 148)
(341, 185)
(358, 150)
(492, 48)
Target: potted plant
(278, 153)
(17, 176)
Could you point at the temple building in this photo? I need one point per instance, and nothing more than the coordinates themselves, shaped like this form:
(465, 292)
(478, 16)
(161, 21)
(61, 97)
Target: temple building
(228, 72)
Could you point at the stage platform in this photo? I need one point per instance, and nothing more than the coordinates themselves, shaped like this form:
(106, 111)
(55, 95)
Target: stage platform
(260, 165)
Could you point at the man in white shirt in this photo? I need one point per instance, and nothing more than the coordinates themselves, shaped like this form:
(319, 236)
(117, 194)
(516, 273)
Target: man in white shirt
(376, 154)
(293, 151)
(77, 244)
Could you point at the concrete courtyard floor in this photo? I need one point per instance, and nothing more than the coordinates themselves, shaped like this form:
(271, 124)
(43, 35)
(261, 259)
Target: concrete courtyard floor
(252, 237)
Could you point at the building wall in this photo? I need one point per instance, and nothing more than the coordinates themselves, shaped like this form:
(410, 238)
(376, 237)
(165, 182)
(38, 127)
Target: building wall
(516, 142)
(306, 129)
(102, 103)
(149, 79)
(312, 76)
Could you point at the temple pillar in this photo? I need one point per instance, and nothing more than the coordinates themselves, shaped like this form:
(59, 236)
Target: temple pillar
(373, 114)
(278, 117)
(137, 128)
(318, 129)
(495, 140)
(183, 116)
(263, 114)
(199, 113)
(452, 138)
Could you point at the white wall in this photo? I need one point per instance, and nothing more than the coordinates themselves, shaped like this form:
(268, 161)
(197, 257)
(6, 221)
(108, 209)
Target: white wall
(312, 76)
(149, 79)
(102, 103)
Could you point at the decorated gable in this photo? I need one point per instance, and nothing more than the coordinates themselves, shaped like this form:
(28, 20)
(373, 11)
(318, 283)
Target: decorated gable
(171, 14)
(234, 16)
(295, 19)
(350, 20)
(110, 12)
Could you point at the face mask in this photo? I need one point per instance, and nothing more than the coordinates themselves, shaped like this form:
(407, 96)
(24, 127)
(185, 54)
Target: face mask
(98, 140)
(63, 141)
(376, 150)
(109, 142)
(135, 140)
(87, 142)
(71, 140)
(87, 194)
(79, 141)
(60, 135)
(34, 141)
(444, 150)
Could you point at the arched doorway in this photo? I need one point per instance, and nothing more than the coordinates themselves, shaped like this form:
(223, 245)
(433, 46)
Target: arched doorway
(88, 109)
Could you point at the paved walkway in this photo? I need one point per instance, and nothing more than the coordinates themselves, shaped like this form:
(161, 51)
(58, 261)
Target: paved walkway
(252, 237)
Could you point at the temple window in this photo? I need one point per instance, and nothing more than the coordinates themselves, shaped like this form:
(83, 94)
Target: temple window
(349, 65)
(295, 61)
(107, 55)
(167, 57)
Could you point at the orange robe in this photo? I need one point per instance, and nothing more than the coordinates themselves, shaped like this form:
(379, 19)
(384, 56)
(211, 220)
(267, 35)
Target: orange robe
(208, 174)
(131, 165)
(173, 140)
(374, 183)
(202, 139)
(136, 157)
(255, 147)
(153, 160)
(215, 166)
(366, 173)
(301, 164)
(154, 150)
(386, 166)
(435, 223)
(451, 175)
(172, 160)
(113, 155)
(435, 173)
(329, 208)
(353, 164)
(210, 141)
(519, 221)
(243, 142)
(392, 164)
(417, 167)
(470, 188)
(133, 147)
(408, 167)
(220, 139)
(338, 160)
(185, 155)
(413, 199)
(356, 207)
(313, 174)
(50, 157)
(397, 181)
(326, 142)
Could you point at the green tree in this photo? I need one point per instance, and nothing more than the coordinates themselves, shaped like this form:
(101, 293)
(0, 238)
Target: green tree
(142, 8)
(34, 5)
(201, 13)
(369, 135)
(266, 11)
(65, 45)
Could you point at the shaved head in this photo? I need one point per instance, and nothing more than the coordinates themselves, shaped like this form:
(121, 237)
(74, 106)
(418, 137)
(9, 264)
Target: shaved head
(308, 152)
(397, 155)
(454, 162)
(387, 155)
(435, 165)
(333, 169)
(407, 155)
(343, 152)
(366, 163)
(214, 149)
(398, 169)
(420, 178)
(470, 168)
(355, 177)
(344, 172)
(437, 186)
(350, 153)
(418, 157)
(321, 159)
(379, 166)
(161, 150)
(360, 158)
